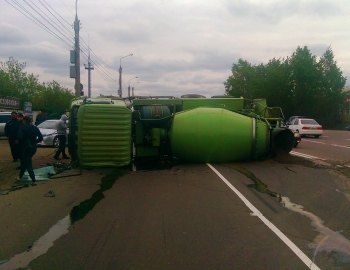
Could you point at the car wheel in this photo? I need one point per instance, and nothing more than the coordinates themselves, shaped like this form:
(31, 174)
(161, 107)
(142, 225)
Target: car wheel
(56, 142)
(316, 136)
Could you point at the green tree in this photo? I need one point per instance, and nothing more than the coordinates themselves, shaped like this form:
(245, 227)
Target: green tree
(15, 82)
(330, 98)
(299, 84)
(305, 81)
(241, 82)
(53, 99)
(277, 87)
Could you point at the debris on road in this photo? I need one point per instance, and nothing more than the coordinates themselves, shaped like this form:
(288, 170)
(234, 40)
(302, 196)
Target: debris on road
(50, 194)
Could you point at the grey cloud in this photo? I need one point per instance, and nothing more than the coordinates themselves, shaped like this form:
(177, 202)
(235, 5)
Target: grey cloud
(11, 35)
(280, 10)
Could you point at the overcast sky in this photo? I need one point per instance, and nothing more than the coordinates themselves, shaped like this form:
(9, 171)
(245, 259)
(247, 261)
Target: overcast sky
(178, 46)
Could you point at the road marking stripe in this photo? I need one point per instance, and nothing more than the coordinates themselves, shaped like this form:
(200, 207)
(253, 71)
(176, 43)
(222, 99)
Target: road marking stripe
(272, 227)
(304, 155)
(313, 141)
(340, 146)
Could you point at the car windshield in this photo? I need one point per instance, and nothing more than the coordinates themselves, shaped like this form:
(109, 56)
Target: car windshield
(48, 124)
(5, 118)
(308, 122)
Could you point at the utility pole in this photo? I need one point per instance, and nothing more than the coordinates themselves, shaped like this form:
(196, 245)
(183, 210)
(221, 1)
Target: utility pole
(77, 53)
(120, 91)
(89, 67)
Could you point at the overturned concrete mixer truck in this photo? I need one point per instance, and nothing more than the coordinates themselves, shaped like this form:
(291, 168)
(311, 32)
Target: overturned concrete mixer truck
(115, 132)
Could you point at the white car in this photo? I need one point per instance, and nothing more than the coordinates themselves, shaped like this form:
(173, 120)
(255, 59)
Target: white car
(49, 131)
(306, 126)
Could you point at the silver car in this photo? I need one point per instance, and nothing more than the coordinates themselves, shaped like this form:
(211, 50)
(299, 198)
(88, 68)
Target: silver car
(49, 131)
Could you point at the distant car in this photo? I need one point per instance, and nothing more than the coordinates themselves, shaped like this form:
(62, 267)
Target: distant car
(347, 128)
(4, 118)
(49, 131)
(306, 126)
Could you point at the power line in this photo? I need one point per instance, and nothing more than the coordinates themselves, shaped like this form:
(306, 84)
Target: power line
(39, 13)
(98, 66)
(35, 20)
(46, 19)
(67, 29)
(58, 13)
(95, 61)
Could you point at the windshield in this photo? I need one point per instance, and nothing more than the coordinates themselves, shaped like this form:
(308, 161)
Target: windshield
(308, 122)
(48, 124)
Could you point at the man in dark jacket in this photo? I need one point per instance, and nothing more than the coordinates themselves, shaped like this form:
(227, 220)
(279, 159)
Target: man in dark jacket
(28, 136)
(39, 118)
(11, 132)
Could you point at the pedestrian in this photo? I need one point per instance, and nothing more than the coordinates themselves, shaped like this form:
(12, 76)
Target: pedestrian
(11, 132)
(39, 118)
(28, 136)
(17, 146)
(62, 136)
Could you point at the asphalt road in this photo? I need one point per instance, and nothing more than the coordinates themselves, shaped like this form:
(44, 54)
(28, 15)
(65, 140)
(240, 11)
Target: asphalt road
(287, 213)
(332, 145)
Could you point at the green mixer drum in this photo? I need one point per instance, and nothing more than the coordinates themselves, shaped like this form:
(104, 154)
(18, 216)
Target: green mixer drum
(216, 135)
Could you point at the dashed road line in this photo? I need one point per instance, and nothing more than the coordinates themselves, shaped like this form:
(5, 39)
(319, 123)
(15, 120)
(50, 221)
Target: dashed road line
(341, 146)
(313, 141)
(304, 155)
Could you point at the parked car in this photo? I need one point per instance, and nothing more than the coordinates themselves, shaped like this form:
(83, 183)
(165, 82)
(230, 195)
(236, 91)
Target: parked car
(4, 118)
(48, 129)
(306, 126)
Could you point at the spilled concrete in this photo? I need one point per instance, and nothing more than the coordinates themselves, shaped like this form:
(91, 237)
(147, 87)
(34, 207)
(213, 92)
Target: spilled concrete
(42, 245)
(327, 241)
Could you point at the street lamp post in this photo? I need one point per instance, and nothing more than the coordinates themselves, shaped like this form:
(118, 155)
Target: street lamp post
(120, 91)
(133, 89)
(129, 86)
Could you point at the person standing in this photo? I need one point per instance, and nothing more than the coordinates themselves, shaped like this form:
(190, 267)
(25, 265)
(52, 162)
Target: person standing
(28, 136)
(11, 132)
(62, 135)
(39, 118)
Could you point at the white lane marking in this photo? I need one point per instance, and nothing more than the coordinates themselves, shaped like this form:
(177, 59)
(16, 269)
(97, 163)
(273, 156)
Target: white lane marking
(272, 227)
(304, 155)
(337, 190)
(340, 146)
(312, 141)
